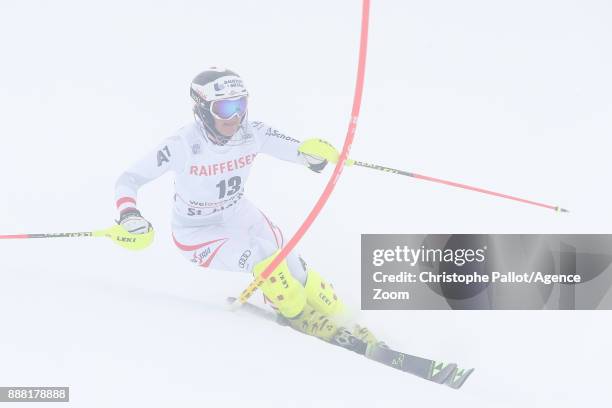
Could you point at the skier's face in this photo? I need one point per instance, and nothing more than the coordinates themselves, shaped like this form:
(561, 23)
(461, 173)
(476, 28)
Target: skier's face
(228, 128)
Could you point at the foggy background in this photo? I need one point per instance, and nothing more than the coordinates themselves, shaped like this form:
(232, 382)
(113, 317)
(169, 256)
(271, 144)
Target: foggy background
(509, 96)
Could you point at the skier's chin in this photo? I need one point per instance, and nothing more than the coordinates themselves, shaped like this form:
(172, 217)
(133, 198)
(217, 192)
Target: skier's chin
(228, 130)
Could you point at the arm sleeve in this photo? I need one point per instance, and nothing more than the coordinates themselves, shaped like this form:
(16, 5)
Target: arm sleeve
(277, 144)
(169, 155)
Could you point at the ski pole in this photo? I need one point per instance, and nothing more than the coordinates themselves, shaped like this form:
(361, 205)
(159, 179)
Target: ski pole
(453, 184)
(117, 233)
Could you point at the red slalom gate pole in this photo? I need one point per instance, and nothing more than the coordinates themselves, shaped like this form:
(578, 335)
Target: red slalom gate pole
(329, 188)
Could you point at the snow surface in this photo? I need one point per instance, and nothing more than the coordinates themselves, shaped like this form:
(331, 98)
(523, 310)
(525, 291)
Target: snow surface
(511, 96)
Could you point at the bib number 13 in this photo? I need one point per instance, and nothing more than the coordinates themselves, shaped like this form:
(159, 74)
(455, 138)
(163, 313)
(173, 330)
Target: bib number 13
(229, 187)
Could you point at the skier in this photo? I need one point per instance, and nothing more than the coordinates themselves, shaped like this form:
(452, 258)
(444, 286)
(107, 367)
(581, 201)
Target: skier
(213, 224)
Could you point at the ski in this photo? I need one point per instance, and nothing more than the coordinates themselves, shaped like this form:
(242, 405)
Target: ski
(431, 370)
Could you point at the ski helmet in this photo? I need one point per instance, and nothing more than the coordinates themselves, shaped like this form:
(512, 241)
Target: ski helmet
(218, 93)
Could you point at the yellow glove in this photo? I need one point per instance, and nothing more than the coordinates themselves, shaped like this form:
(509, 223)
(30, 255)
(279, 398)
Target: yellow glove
(317, 153)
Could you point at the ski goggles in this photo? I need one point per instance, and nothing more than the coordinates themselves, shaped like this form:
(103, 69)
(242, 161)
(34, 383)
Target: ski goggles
(225, 109)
